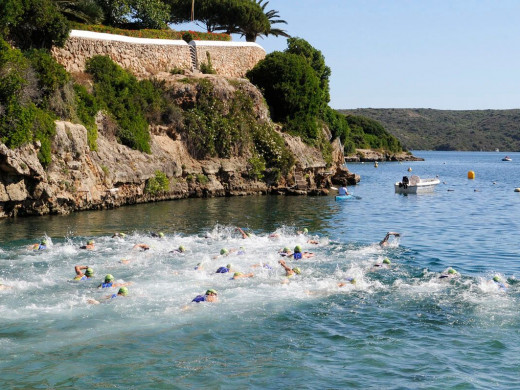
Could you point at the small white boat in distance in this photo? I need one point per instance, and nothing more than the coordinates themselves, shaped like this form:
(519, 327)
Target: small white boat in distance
(415, 185)
(507, 158)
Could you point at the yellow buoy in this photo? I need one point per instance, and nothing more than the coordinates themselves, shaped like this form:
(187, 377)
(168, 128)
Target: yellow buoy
(410, 169)
(471, 175)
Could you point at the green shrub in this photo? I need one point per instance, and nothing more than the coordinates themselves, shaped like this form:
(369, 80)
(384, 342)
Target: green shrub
(207, 67)
(256, 167)
(157, 184)
(202, 179)
(51, 75)
(186, 36)
(176, 70)
(126, 98)
(86, 110)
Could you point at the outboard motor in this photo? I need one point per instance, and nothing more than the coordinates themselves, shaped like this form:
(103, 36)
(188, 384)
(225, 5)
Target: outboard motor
(405, 181)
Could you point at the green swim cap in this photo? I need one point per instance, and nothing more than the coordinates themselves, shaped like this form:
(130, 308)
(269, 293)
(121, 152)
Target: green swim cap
(211, 291)
(89, 272)
(237, 274)
(123, 291)
(44, 242)
(182, 249)
(248, 234)
(297, 270)
(228, 266)
(90, 242)
(496, 278)
(108, 278)
(223, 251)
(386, 261)
(305, 231)
(298, 249)
(451, 271)
(286, 250)
(123, 235)
(161, 234)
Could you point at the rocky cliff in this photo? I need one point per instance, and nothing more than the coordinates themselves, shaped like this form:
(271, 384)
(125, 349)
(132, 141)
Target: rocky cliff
(115, 175)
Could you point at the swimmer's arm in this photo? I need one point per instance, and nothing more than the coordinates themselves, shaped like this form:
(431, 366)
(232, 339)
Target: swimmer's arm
(244, 235)
(78, 269)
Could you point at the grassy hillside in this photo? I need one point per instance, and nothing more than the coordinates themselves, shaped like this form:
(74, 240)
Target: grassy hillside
(427, 129)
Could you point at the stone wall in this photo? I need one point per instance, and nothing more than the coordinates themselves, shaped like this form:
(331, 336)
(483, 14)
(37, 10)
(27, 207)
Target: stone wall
(146, 57)
(232, 59)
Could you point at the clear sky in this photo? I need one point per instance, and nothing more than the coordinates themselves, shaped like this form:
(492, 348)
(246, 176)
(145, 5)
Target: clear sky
(444, 54)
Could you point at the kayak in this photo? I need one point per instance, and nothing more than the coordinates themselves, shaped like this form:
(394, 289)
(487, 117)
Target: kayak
(345, 197)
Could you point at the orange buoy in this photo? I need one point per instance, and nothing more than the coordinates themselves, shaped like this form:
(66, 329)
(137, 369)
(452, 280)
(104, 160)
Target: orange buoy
(471, 175)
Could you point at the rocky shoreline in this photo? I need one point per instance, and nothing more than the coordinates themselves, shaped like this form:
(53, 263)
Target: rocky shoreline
(368, 155)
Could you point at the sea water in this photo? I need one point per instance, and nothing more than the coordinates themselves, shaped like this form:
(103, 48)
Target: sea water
(401, 327)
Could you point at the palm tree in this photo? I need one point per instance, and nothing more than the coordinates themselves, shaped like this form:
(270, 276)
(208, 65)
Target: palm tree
(84, 11)
(274, 18)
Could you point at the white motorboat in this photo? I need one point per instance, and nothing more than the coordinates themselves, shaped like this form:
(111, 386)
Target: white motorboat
(415, 185)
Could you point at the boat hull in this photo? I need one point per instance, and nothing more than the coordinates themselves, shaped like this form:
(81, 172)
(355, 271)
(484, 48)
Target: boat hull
(424, 186)
(344, 197)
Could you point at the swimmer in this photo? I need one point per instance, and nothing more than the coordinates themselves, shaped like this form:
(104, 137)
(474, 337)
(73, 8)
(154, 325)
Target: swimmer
(120, 235)
(384, 242)
(223, 270)
(123, 292)
(210, 296)
(180, 249)
(285, 252)
(124, 261)
(90, 245)
(244, 234)
(265, 266)
(449, 274)
(305, 231)
(238, 275)
(157, 235)
(385, 264)
(109, 282)
(497, 280)
(348, 281)
(313, 242)
(4, 287)
(198, 267)
(143, 247)
(89, 272)
(288, 270)
(298, 254)
(39, 247)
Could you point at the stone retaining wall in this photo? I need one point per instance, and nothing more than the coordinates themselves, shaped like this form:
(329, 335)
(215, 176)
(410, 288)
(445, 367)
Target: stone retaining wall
(146, 57)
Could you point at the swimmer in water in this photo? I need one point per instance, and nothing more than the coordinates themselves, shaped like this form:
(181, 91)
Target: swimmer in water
(210, 296)
(289, 272)
(238, 275)
(4, 287)
(157, 235)
(224, 270)
(119, 235)
(385, 264)
(497, 280)
(109, 282)
(142, 247)
(347, 282)
(123, 292)
(450, 273)
(244, 234)
(39, 247)
(90, 245)
(180, 249)
(198, 267)
(285, 252)
(89, 272)
(384, 242)
(298, 254)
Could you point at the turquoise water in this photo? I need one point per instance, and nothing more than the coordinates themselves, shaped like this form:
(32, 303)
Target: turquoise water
(396, 328)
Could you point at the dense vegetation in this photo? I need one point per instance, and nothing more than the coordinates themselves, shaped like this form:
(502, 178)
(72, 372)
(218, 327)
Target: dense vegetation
(472, 130)
(295, 84)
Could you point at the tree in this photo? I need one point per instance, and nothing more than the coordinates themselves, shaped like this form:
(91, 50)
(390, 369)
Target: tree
(135, 13)
(289, 85)
(83, 11)
(34, 24)
(252, 34)
(315, 59)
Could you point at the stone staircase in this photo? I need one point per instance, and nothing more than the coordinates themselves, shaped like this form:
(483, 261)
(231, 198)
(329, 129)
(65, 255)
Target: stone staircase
(300, 181)
(193, 55)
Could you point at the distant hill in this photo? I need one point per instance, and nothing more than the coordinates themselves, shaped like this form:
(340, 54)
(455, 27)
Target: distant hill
(427, 129)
